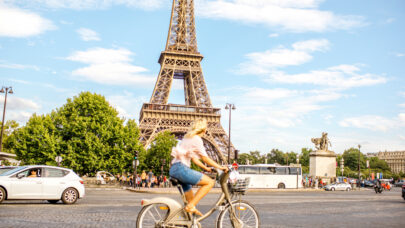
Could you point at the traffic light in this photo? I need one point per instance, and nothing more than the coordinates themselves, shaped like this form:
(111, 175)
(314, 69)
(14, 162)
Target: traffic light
(136, 155)
(236, 154)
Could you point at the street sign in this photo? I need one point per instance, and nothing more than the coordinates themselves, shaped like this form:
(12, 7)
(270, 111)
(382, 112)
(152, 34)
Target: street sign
(58, 159)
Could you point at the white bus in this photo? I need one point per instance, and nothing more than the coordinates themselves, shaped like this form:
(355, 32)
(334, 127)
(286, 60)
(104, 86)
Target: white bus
(272, 176)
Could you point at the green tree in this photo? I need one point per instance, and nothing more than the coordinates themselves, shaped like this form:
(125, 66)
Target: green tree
(277, 156)
(255, 157)
(86, 132)
(351, 157)
(9, 127)
(242, 158)
(160, 148)
(304, 156)
(380, 165)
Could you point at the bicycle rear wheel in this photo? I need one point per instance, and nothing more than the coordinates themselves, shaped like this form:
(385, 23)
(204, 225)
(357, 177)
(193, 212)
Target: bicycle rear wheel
(244, 211)
(152, 215)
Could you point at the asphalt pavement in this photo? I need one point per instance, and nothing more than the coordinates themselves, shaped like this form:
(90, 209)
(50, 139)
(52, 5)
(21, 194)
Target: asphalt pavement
(114, 207)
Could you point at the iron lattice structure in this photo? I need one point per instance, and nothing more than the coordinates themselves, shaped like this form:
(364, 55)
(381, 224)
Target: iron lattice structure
(181, 60)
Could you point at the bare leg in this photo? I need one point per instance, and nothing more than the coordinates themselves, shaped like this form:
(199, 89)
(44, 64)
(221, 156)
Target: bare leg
(189, 196)
(206, 184)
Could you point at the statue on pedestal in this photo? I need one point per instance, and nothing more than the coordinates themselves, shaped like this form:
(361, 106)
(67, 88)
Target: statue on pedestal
(322, 162)
(322, 143)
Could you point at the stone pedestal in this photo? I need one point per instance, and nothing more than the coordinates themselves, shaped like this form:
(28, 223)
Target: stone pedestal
(322, 164)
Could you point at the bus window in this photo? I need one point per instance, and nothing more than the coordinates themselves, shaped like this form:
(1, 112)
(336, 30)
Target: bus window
(241, 170)
(281, 170)
(251, 170)
(267, 170)
(295, 171)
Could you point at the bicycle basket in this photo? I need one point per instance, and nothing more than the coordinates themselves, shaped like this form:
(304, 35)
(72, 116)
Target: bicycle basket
(240, 186)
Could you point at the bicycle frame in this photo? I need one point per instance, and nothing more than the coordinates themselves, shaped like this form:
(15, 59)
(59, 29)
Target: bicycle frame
(177, 215)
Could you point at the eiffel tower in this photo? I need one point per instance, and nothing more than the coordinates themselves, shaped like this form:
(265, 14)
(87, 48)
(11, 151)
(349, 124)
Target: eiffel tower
(182, 61)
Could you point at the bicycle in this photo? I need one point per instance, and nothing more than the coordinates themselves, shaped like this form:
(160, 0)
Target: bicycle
(163, 212)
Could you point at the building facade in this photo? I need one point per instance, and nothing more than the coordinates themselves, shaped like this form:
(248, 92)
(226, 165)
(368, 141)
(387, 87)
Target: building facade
(394, 159)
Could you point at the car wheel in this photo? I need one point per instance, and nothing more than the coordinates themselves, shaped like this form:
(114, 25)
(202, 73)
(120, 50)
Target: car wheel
(69, 196)
(347, 189)
(332, 189)
(53, 201)
(2, 194)
(281, 186)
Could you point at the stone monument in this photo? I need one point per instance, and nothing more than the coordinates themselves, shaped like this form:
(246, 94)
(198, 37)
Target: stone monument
(322, 162)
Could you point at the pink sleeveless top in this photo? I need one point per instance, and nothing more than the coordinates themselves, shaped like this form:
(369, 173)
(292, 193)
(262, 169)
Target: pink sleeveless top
(188, 148)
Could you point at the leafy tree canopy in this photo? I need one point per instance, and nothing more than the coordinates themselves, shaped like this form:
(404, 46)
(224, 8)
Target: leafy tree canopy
(86, 132)
(159, 150)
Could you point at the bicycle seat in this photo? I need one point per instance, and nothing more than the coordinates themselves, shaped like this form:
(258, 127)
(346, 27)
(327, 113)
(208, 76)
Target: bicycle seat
(174, 181)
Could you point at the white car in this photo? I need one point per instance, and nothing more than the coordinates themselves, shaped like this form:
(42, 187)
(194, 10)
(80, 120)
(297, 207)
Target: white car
(338, 186)
(41, 182)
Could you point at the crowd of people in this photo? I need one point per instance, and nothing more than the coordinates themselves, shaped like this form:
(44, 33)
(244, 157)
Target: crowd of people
(310, 182)
(144, 180)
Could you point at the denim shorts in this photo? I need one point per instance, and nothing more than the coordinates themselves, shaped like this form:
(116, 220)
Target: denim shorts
(185, 175)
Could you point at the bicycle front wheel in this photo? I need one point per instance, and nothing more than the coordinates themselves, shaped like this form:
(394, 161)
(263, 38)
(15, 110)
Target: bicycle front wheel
(244, 211)
(152, 215)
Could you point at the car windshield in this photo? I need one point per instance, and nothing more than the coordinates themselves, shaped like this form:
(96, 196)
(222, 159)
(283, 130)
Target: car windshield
(3, 170)
(13, 171)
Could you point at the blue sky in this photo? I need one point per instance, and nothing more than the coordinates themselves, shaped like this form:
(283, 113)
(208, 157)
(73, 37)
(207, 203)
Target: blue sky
(293, 68)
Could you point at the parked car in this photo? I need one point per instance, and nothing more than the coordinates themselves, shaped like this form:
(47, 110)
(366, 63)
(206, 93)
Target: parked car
(338, 186)
(41, 182)
(368, 183)
(6, 168)
(403, 191)
(400, 183)
(103, 177)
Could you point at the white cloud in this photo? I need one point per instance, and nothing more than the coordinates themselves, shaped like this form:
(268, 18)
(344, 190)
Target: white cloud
(281, 108)
(127, 104)
(292, 15)
(4, 64)
(89, 4)
(342, 76)
(265, 62)
(265, 95)
(19, 116)
(399, 54)
(17, 103)
(88, 34)
(15, 22)
(110, 66)
(402, 105)
(374, 123)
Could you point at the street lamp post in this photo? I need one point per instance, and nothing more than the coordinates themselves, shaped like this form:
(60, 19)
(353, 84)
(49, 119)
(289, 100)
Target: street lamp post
(4, 90)
(358, 184)
(229, 107)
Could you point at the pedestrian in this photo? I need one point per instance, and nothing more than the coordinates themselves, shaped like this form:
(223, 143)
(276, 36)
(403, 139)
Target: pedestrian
(164, 181)
(143, 178)
(150, 175)
(138, 181)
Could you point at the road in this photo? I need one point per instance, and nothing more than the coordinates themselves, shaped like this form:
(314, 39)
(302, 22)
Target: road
(119, 208)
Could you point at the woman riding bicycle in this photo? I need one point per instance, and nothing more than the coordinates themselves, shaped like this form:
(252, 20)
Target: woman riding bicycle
(192, 148)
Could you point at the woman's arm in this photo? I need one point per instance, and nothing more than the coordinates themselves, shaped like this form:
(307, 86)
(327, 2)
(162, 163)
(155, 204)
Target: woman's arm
(200, 164)
(212, 163)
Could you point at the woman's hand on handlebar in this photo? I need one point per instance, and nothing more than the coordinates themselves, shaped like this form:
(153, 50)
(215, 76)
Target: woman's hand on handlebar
(225, 169)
